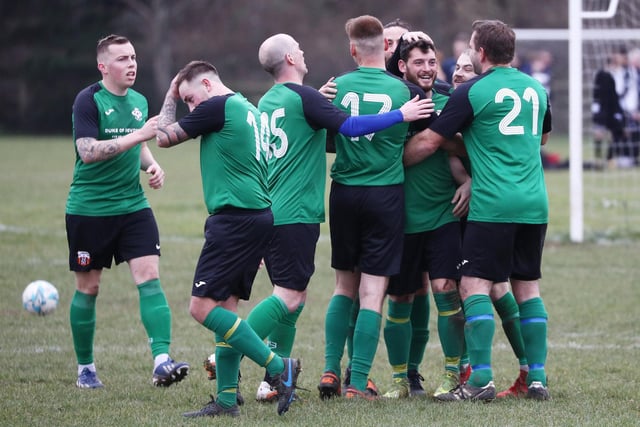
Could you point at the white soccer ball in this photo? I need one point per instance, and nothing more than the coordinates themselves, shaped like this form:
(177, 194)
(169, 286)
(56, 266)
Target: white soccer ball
(40, 297)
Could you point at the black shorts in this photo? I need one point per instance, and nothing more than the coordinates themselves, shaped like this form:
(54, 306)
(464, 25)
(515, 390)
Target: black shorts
(235, 242)
(500, 251)
(366, 225)
(95, 241)
(291, 254)
(437, 252)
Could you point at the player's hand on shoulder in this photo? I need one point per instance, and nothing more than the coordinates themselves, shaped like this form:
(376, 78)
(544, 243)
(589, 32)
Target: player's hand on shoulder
(416, 109)
(329, 89)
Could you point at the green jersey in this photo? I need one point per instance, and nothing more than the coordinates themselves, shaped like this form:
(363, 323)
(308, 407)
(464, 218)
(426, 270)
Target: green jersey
(296, 119)
(374, 159)
(429, 186)
(502, 115)
(297, 159)
(233, 161)
(109, 187)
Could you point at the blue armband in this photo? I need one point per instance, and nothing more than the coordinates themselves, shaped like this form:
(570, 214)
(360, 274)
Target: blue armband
(362, 125)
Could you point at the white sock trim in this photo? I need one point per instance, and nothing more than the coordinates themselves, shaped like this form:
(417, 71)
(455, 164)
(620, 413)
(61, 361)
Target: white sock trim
(160, 359)
(90, 366)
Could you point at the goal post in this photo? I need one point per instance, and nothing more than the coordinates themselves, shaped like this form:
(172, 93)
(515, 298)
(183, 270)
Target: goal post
(576, 131)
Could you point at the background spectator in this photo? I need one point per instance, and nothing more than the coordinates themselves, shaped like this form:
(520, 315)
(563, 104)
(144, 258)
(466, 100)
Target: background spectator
(607, 114)
(459, 45)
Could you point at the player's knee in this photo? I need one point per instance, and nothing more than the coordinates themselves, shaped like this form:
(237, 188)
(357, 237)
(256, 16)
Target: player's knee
(443, 285)
(88, 282)
(199, 310)
(291, 297)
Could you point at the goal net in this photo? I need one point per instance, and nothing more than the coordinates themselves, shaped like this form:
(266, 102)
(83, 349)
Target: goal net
(611, 173)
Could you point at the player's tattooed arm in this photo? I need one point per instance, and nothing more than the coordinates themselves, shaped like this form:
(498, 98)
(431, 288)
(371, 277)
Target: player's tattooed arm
(169, 132)
(91, 150)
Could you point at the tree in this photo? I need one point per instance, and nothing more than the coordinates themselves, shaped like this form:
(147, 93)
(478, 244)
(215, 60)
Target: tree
(47, 47)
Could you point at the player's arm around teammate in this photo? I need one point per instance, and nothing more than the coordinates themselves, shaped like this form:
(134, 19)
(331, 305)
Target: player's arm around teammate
(299, 118)
(503, 129)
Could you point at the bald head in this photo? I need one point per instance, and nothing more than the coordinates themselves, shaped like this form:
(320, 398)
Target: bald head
(273, 50)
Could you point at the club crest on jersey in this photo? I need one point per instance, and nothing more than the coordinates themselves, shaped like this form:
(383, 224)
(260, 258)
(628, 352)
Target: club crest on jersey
(137, 114)
(84, 258)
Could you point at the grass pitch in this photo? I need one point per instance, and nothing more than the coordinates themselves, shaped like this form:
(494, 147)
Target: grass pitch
(591, 293)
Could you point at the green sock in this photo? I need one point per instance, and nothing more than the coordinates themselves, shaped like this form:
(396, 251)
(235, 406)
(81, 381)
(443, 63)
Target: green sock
(419, 331)
(239, 335)
(336, 326)
(365, 344)
(282, 337)
(533, 324)
(450, 328)
(156, 316)
(82, 317)
(355, 309)
(227, 368)
(478, 332)
(507, 309)
(464, 356)
(397, 336)
(265, 316)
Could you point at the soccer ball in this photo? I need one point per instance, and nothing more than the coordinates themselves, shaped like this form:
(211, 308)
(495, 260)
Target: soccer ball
(40, 297)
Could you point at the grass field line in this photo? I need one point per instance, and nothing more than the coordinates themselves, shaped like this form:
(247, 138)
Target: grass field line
(4, 228)
(323, 239)
(432, 348)
(164, 238)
